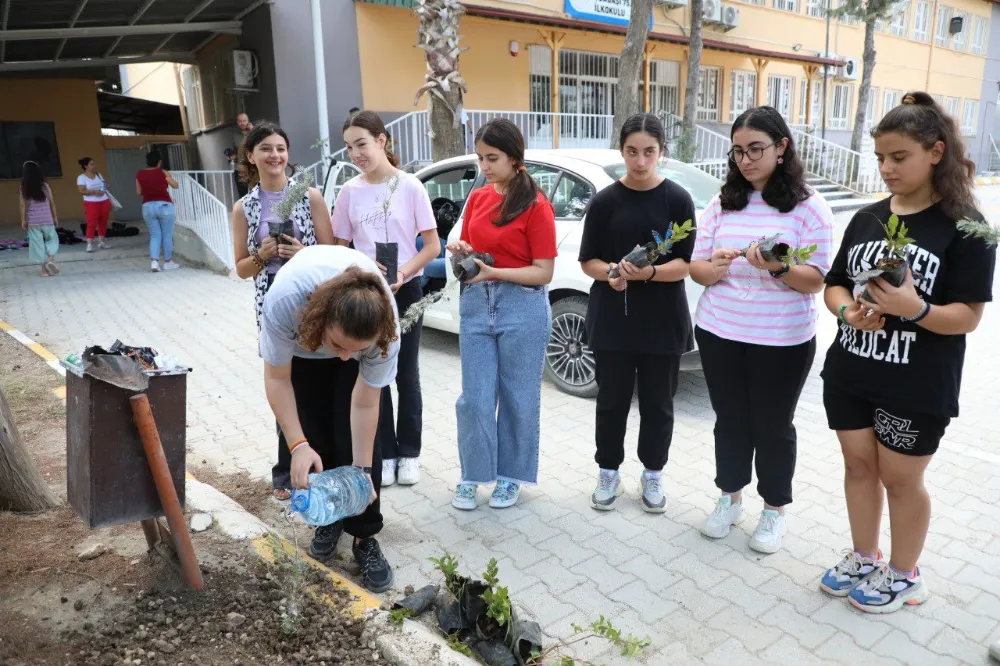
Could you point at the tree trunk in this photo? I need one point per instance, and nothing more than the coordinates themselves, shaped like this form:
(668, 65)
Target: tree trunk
(686, 145)
(22, 487)
(630, 66)
(448, 140)
(867, 69)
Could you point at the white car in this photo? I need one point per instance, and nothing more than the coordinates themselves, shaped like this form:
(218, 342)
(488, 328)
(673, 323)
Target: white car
(570, 179)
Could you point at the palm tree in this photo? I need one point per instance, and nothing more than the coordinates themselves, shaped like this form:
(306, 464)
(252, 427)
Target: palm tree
(868, 12)
(438, 35)
(630, 66)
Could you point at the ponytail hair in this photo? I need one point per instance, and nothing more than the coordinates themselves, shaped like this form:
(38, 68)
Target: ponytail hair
(372, 123)
(247, 170)
(356, 300)
(522, 191)
(923, 120)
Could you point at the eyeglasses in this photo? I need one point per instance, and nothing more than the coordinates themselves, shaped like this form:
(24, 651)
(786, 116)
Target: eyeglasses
(753, 152)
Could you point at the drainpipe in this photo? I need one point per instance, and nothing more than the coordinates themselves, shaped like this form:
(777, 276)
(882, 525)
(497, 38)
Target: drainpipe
(324, 116)
(826, 69)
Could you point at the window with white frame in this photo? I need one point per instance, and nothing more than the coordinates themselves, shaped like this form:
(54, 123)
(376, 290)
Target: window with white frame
(756, 2)
(540, 79)
(951, 106)
(922, 21)
(847, 19)
(900, 21)
(816, 8)
(664, 86)
(787, 5)
(870, 107)
(840, 106)
(817, 102)
(970, 113)
(958, 41)
(939, 99)
(979, 35)
(890, 100)
(708, 94)
(742, 92)
(779, 94)
(941, 30)
(881, 25)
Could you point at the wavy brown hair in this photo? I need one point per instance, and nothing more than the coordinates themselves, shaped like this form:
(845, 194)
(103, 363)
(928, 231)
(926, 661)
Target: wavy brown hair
(920, 118)
(355, 299)
(246, 170)
(372, 123)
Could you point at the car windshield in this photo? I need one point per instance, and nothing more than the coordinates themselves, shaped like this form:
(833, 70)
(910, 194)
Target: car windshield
(700, 185)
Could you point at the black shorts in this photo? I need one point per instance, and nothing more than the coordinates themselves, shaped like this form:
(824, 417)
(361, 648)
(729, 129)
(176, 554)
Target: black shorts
(907, 432)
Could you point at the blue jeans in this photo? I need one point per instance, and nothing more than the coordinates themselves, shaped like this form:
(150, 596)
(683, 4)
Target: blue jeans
(503, 333)
(159, 217)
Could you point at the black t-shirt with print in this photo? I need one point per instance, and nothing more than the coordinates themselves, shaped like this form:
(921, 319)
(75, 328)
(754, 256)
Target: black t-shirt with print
(658, 319)
(904, 365)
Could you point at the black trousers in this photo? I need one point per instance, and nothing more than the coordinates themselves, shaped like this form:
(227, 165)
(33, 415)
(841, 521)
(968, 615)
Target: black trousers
(400, 434)
(617, 375)
(754, 390)
(323, 396)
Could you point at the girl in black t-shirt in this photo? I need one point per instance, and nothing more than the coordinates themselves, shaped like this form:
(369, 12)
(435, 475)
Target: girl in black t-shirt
(892, 377)
(638, 324)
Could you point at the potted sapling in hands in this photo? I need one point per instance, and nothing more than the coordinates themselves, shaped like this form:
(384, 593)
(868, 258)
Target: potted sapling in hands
(892, 267)
(646, 255)
(770, 254)
(387, 253)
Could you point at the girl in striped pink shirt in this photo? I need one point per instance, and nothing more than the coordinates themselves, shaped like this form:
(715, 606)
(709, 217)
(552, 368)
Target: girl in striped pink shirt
(39, 218)
(756, 321)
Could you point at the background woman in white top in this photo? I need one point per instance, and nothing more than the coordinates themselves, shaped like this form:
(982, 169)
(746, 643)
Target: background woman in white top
(96, 203)
(756, 322)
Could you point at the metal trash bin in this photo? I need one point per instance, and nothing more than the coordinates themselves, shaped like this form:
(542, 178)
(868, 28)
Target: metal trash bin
(109, 481)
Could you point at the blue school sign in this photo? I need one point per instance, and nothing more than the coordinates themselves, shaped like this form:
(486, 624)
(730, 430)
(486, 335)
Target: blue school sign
(616, 12)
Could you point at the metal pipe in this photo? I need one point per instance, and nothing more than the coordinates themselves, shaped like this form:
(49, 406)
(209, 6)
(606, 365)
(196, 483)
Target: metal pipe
(114, 61)
(35, 34)
(72, 24)
(321, 106)
(132, 21)
(826, 68)
(187, 19)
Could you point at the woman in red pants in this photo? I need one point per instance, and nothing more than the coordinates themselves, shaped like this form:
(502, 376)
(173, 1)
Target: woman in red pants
(96, 203)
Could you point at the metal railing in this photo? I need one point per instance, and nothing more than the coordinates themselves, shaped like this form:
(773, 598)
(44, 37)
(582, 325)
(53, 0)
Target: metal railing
(994, 163)
(838, 164)
(710, 151)
(201, 211)
(409, 140)
(220, 184)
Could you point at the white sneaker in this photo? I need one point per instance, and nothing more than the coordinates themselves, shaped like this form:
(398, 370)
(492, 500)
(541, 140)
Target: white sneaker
(767, 537)
(388, 472)
(154, 266)
(465, 497)
(653, 499)
(90, 247)
(726, 515)
(103, 246)
(408, 471)
(171, 266)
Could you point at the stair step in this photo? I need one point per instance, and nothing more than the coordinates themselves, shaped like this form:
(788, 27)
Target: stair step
(838, 195)
(847, 205)
(826, 187)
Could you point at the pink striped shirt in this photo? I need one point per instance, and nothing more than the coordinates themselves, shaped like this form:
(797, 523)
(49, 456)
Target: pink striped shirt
(748, 305)
(38, 213)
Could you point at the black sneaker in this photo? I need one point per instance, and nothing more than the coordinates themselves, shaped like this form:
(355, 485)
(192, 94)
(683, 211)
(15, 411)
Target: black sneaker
(376, 574)
(324, 543)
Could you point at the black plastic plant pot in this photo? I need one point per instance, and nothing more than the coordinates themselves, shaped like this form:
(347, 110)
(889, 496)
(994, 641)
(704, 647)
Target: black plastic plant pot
(487, 628)
(471, 600)
(640, 257)
(387, 254)
(278, 230)
(775, 251)
(449, 614)
(464, 266)
(524, 638)
(495, 653)
(419, 601)
(895, 270)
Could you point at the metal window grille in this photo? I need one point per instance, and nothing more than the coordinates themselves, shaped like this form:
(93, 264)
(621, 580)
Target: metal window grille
(742, 92)
(900, 21)
(870, 107)
(941, 29)
(970, 112)
(979, 35)
(841, 106)
(890, 100)
(708, 94)
(664, 86)
(817, 101)
(816, 8)
(786, 5)
(951, 105)
(779, 94)
(922, 21)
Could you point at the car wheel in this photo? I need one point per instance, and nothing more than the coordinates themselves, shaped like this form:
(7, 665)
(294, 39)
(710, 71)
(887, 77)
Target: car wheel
(569, 362)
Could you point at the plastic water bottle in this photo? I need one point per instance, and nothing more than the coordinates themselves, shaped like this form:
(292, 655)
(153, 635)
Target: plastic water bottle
(73, 359)
(333, 495)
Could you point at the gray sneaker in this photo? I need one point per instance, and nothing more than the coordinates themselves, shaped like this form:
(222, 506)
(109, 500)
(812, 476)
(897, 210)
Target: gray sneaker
(609, 489)
(653, 499)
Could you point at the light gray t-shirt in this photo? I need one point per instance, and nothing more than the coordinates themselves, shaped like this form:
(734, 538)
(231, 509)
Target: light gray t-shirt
(287, 297)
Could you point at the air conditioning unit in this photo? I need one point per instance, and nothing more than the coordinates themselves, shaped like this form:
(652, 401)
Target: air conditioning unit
(829, 70)
(244, 70)
(712, 12)
(730, 17)
(672, 4)
(850, 70)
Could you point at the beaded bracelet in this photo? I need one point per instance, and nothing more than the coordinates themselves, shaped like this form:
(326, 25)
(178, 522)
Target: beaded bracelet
(924, 311)
(297, 444)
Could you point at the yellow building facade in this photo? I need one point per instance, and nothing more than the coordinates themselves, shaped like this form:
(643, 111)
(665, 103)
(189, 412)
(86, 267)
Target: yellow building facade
(768, 57)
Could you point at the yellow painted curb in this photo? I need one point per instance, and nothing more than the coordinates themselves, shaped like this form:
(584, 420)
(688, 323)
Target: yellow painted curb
(4, 326)
(362, 599)
(60, 392)
(42, 351)
(34, 347)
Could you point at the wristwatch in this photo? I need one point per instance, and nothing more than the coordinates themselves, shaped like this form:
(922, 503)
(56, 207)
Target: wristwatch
(366, 470)
(781, 272)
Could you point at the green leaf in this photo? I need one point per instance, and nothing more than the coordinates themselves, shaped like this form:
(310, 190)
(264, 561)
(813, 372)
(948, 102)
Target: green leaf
(980, 229)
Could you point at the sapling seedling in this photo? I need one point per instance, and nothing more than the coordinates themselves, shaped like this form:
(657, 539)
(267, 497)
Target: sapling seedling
(498, 607)
(387, 253)
(979, 229)
(447, 564)
(646, 255)
(284, 208)
(892, 266)
(771, 249)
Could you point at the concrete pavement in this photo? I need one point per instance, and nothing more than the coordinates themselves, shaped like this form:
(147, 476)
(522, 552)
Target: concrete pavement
(699, 601)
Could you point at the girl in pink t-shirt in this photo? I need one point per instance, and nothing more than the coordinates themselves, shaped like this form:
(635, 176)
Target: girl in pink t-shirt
(381, 205)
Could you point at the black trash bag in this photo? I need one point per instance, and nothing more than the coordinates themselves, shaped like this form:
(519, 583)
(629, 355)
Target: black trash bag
(121, 371)
(419, 601)
(471, 600)
(524, 638)
(495, 653)
(449, 614)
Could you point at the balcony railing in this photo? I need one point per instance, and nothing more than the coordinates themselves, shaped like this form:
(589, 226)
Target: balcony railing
(838, 164)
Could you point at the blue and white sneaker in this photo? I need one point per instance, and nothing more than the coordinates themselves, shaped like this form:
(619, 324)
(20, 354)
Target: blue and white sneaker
(848, 573)
(465, 497)
(504, 495)
(609, 489)
(653, 499)
(886, 591)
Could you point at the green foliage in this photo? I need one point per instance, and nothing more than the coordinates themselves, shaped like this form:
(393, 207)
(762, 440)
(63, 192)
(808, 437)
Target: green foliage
(448, 566)
(294, 194)
(798, 255)
(896, 237)
(291, 572)
(980, 229)
(630, 646)
(866, 10)
(686, 147)
(456, 644)
(397, 615)
(497, 600)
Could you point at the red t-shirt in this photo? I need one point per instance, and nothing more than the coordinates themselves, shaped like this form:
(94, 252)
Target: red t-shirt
(529, 236)
(154, 185)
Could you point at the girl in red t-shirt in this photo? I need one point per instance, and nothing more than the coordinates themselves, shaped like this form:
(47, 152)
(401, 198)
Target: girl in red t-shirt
(505, 321)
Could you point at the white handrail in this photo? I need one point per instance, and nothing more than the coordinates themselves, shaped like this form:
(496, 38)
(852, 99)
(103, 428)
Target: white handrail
(838, 164)
(203, 213)
(994, 163)
(711, 149)
(221, 184)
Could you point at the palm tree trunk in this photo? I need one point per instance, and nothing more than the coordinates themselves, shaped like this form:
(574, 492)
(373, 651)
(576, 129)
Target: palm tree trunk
(867, 69)
(22, 487)
(686, 145)
(630, 66)
(446, 127)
